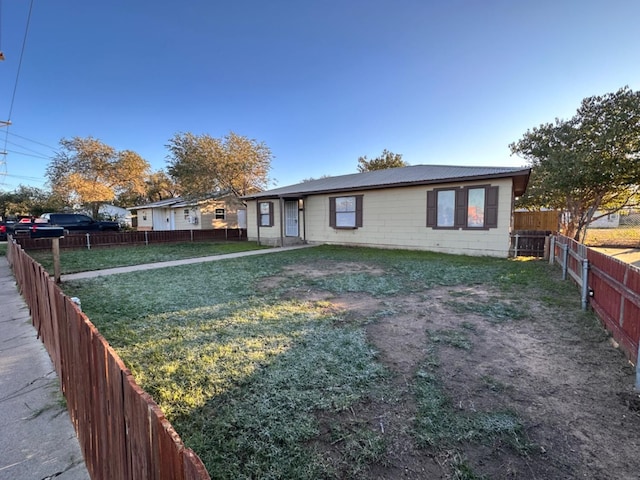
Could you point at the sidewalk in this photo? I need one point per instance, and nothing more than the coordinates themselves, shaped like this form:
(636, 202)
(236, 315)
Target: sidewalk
(37, 440)
(174, 263)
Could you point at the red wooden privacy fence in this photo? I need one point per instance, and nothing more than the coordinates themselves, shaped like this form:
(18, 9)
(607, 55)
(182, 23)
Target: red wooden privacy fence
(122, 432)
(610, 286)
(105, 239)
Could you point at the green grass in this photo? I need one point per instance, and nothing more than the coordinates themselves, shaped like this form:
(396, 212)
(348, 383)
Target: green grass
(245, 373)
(81, 260)
(3, 249)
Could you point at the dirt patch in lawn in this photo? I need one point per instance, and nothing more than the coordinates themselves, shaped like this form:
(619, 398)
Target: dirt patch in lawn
(561, 377)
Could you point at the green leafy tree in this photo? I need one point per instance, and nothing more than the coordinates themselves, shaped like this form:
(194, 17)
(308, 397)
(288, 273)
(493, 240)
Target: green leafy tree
(88, 173)
(29, 201)
(587, 164)
(202, 165)
(386, 160)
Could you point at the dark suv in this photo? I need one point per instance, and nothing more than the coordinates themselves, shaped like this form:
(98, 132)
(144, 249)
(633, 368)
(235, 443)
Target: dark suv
(77, 222)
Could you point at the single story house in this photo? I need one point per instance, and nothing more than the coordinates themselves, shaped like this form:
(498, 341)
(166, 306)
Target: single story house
(450, 209)
(224, 210)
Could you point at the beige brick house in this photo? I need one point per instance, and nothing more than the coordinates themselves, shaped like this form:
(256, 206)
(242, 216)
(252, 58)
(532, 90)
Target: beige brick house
(450, 209)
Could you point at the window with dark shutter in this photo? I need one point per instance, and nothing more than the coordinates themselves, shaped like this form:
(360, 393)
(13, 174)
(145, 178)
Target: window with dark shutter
(345, 212)
(474, 207)
(265, 211)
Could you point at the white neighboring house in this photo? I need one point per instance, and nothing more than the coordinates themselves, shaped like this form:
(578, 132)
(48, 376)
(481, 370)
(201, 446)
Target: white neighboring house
(611, 220)
(114, 213)
(223, 210)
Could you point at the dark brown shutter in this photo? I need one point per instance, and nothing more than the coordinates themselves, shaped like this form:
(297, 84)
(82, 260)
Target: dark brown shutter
(358, 210)
(460, 220)
(432, 209)
(332, 211)
(491, 207)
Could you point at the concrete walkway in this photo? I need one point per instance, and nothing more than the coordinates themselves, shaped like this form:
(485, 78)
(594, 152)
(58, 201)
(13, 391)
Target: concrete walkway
(174, 263)
(37, 439)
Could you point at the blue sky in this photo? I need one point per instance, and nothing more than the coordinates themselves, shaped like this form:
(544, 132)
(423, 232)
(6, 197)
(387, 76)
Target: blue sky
(321, 82)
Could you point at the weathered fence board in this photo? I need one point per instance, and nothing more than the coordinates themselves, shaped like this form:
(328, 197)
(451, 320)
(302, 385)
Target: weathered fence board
(612, 288)
(549, 220)
(121, 430)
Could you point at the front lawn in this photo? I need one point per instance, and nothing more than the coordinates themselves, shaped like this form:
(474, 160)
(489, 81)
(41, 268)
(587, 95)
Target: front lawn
(336, 362)
(82, 260)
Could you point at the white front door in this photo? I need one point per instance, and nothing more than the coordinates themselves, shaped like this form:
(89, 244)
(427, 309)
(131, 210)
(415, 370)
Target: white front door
(291, 219)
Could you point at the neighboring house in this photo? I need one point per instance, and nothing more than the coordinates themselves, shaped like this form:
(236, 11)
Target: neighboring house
(464, 210)
(611, 220)
(112, 212)
(221, 211)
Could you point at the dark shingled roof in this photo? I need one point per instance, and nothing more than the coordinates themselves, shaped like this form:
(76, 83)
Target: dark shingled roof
(399, 177)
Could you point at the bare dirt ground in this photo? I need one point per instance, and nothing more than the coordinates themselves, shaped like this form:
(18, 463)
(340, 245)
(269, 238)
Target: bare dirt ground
(565, 380)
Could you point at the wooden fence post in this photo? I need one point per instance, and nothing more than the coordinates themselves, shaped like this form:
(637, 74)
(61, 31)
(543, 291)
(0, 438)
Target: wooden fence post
(55, 251)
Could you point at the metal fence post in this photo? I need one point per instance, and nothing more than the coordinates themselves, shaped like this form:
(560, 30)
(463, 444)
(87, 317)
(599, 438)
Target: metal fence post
(146, 237)
(552, 250)
(585, 283)
(515, 248)
(565, 260)
(638, 370)
(88, 241)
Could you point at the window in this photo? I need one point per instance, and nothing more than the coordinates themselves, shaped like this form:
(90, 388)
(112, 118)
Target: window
(265, 212)
(186, 214)
(345, 212)
(219, 214)
(475, 207)
(446, 207)
(468, 207)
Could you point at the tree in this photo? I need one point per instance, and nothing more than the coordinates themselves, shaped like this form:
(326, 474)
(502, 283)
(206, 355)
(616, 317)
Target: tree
(159, 186)
(202, 165)
(386, 160)
(28, 201)
(587, 164)
(88, 173)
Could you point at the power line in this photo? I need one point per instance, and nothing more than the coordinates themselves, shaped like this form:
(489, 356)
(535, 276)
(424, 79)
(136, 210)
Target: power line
(24, 43)
(30, 140)
(40, 154)
(28, 154)
(15, 86)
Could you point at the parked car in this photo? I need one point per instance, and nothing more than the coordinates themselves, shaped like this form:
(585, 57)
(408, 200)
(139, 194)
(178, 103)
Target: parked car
(79, 223)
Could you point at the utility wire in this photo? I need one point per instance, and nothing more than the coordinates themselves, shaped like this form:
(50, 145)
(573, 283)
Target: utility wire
(24, 43)
(30, 140)
(40, 154)
(15, 86)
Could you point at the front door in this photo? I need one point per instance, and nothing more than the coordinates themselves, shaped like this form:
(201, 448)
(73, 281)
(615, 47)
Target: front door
(291, 218)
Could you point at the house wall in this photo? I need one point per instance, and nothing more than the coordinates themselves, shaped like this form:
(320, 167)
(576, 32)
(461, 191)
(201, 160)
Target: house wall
(182, 223)
(231, 206)
(396, 218)
(145, 219)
